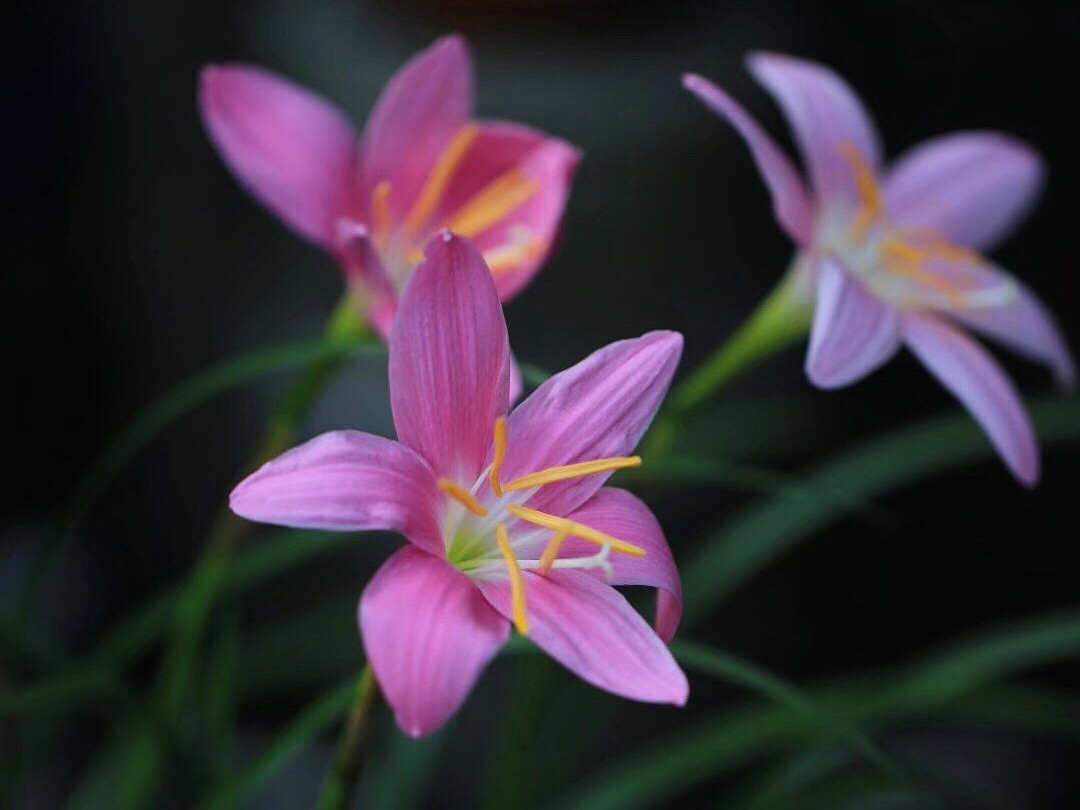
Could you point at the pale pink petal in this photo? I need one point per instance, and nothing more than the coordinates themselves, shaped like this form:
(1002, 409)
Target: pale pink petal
(595, 409)
(791, 206)
(294, 151)
(826, 118)
(421, 108)
(973, 188)
(1027, 327)
(449, 360)
(592, 630)
(853, 331)
(968, 370)
(618, 513)
(428, 634)
(345, 481)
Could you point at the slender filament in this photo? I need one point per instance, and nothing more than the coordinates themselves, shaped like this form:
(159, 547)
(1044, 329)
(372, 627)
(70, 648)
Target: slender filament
(499, 456)
(571, 527)
(439, 178)
(551, 551)
(492, 203)
(553, 474)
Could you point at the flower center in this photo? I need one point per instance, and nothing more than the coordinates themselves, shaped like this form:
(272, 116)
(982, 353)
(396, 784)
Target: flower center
(402, 243)
(470, 525)
(909, 267)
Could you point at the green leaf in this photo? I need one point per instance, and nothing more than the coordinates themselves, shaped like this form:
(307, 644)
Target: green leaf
(761, 532)
(181, 400)
(298, 735)
(718, 745)
(724, 665)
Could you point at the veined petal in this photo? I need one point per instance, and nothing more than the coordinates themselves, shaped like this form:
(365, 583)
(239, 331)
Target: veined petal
(345, 481)
(421, 108)
(592, 630)
(973, 188)
(449, 360)
(1026, 326)
(826, 117)
(428, 633)
(294, 151)
(968, 370)
(618, 513)
(791, 206)
(598, 408)
(853, 331)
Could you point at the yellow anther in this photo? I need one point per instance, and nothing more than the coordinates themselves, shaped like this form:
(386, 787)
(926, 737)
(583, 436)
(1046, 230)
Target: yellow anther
(871, 200)
(462, 496)
(905, 260)
(499, 456)
(380, 207)
(439, 178)
(554, 474)
(551, 551)
(492, 203)
(515, 252)
(558, 524)
(517, 581)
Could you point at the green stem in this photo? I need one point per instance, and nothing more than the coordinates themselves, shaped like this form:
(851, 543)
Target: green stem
(341, 780)
(211, 571)
(779, 320)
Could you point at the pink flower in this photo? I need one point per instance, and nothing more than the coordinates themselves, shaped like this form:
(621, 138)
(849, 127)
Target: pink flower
(890, 252)
(420, 166)
(507, 516)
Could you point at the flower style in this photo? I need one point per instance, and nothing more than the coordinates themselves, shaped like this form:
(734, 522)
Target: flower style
(891, 253)
(420, 166)
(507, 516)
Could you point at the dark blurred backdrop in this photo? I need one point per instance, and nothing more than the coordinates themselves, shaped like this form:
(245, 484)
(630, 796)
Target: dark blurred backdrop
(133, 260)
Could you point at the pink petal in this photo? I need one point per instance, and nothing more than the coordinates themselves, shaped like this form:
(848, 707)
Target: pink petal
(825, 115)
(853, 331)
(968, 370)
(361, 261)
(428, 634)
(345, 481)
(971, 187)
(593, 631)
(293, 150)
(449, 360)
(596, 409)
(1027, 327)
(421, 108)
(791, 206)
(618, 513)
(551, 168)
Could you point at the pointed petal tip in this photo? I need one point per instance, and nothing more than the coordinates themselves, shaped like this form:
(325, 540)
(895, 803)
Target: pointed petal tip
(694, 81)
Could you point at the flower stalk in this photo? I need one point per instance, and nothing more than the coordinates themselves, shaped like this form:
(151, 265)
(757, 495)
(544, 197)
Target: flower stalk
(348, 761)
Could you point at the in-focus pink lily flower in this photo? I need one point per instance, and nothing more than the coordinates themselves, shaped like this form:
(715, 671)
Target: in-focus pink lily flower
(420, 166)
(507, 516)
(890, 253)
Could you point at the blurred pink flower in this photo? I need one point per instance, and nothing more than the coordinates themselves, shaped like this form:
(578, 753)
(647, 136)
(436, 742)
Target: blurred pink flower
(506, 515)
(421, 166)
(889, 253)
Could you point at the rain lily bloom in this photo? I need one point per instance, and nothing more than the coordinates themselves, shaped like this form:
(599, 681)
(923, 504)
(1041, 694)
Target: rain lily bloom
(891, 254)
(421, 165)
(507, 517)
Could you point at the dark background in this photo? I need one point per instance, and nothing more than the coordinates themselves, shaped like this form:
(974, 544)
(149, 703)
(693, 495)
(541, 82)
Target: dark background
(133, 260)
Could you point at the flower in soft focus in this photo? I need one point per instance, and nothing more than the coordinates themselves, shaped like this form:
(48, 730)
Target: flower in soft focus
(421, 166)
(891, 254)
(507, 516)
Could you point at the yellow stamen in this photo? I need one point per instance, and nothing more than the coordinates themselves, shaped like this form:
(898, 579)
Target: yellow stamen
(551, 551)
(517, 582)
(492, 203)
(499, 456)
(462, 496)
(439, 178)
(905, 260)
(512, 255)
(554, 474)
(576, 529)
(872, 202)
(380, 207)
